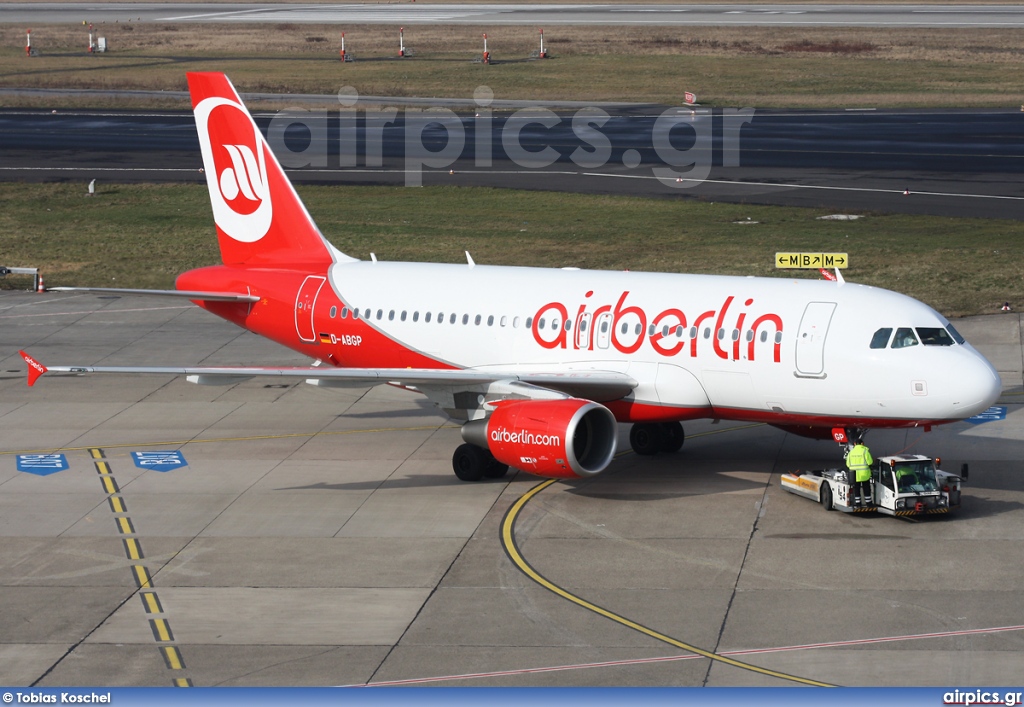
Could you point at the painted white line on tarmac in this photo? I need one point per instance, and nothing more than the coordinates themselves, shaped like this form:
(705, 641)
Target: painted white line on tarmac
(691, 656)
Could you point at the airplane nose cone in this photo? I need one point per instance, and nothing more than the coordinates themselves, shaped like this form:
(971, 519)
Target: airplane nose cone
(978, 387)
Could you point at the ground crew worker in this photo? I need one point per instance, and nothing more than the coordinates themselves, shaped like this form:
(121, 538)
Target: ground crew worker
(859, 461)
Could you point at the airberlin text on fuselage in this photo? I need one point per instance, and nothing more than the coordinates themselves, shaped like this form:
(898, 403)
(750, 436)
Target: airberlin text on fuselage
(730, 337)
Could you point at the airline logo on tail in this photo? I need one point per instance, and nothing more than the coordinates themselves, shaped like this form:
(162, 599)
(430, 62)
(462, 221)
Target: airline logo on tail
(239, 189)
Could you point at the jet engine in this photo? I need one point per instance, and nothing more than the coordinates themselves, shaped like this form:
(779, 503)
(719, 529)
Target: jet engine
(563, 439)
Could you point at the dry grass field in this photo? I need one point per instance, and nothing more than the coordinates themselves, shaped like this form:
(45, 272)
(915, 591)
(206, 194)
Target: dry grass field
(725, 66)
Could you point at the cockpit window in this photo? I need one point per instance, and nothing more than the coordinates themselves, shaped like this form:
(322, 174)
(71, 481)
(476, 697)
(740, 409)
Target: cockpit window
(881, 338)
(904, 338)
(934, 336)
(956, 335)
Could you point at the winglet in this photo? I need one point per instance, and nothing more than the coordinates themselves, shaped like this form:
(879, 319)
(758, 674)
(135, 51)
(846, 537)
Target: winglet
(35, 369)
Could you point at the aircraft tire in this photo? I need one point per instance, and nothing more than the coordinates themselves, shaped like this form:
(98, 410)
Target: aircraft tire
(672, 437)
(826, 496)
(470, 462)
(495, 469)
(645, 438)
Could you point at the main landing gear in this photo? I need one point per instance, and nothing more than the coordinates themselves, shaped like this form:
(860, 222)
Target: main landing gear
(649, 438)
(472, 463)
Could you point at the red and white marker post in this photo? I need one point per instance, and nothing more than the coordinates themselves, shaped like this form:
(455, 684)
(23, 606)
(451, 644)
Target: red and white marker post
(487, 54)
(401, 41)
(543, 54)
(28, 42)
(342, 47)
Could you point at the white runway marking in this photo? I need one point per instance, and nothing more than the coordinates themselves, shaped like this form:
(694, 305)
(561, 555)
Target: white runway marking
(691, 656)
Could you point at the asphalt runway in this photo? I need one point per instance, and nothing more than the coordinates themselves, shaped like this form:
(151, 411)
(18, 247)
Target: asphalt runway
(949, 163)
(320, 538)
(808, 15)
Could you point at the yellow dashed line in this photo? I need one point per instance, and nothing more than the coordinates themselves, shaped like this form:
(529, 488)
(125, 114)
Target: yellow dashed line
(151, 603)
(117, 504)
(132, 549)
(182, 682)
(172, 656)
(96, 453)
(125, 527)
(102, 468)
(512, 550)
(161, 630)
(142, 578)
(109, 485)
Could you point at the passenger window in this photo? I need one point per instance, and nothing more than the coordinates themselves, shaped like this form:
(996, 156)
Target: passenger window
(721, 334)
(778, 337)
(750, 335)
(366, 313)
(693, 332)
(490, 320)
(568, 325)
(956, 335)
(625, 327)
(664, 330)
(403, 315)
(540, 323)
(707, 333)
(344, 312)
(355, 314)
(583, 325)
(881, 338)
(334, 312)
(426, 318)
(416, 316)
(638, 329)
(764, 336)
(679, 331)
(934, 336)
(504, 321)
(515, 322)
(529, 322)
(904, 338)
(477, 320)
(380, 314)
(735, 334)
(651, 330)
(451, 319)
(554, 323)
(465, 319)
(391, 316)
(604, 327)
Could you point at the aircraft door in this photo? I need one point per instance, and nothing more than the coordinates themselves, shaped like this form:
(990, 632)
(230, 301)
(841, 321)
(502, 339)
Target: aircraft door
(602, 334)
(584, 333)
(305, 301)
(810, 339)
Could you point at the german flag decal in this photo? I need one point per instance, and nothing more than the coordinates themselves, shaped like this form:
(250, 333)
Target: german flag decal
(325, 338)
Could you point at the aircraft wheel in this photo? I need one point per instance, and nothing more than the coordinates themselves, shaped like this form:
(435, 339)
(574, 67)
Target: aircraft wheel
(672, 436)
(826, 496)
(645, 438)
(495, 469)
(470, 462)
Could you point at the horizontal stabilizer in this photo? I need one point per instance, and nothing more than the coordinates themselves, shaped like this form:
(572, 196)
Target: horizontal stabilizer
(187, 294)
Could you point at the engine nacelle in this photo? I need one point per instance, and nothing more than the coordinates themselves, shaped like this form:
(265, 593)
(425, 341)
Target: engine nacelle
(563, 439)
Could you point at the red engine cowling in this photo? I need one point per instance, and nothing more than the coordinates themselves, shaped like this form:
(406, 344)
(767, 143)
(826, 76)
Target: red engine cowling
(563, 439)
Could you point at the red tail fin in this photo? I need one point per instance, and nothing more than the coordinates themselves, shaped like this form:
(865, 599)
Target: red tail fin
(260, 219)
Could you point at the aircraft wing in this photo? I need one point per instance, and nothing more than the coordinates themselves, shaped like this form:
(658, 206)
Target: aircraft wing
(187, 294)
(593, 385)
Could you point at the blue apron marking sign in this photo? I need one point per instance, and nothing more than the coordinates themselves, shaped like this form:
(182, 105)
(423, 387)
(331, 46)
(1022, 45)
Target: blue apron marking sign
(42, 464)
(993, 414)
(159, 461)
